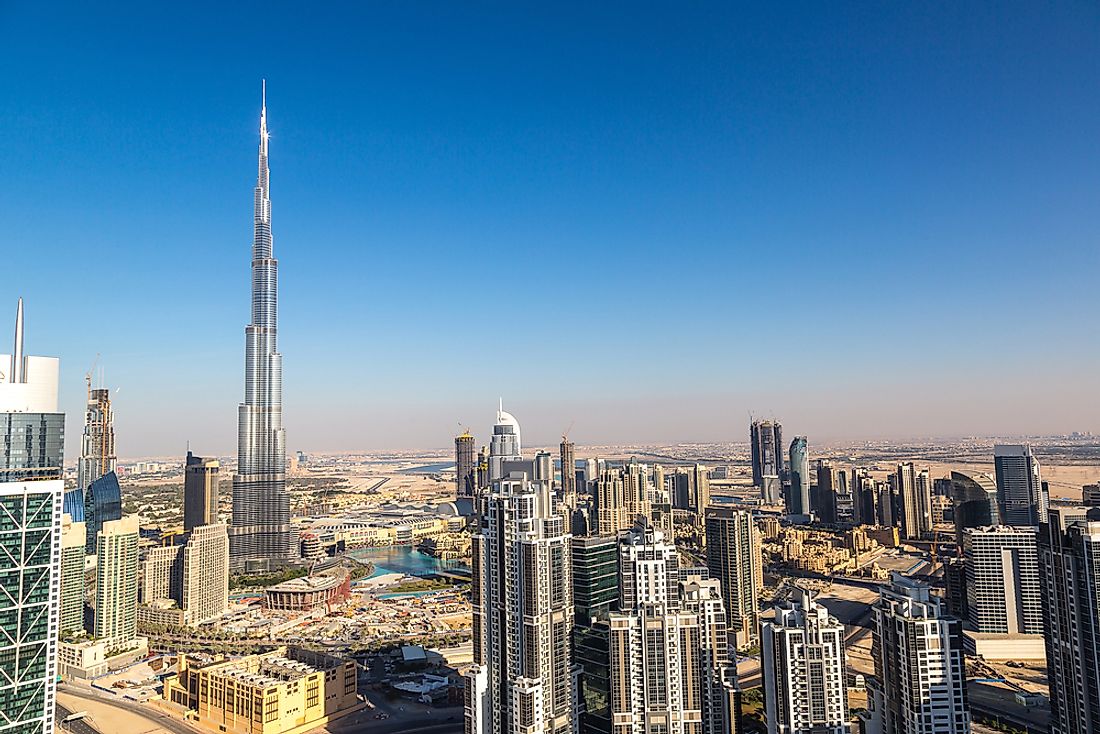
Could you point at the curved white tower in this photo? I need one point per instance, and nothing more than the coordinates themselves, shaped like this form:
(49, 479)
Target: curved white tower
(261, 506)
(506, 444)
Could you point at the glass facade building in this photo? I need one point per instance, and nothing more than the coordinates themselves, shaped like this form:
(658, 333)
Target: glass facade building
(102, 503)
(595, 596)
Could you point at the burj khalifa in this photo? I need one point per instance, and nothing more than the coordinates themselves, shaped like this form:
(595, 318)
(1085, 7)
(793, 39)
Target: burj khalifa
(260, 536)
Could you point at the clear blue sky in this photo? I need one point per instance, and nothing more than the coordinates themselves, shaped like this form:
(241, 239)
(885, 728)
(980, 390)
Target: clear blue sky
(647, 218)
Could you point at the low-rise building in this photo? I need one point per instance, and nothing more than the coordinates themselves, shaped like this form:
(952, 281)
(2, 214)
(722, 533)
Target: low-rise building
(286, 691)
(325, 589)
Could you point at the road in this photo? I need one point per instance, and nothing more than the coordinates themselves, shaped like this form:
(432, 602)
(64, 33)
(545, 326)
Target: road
(80, 726)
(149, 713)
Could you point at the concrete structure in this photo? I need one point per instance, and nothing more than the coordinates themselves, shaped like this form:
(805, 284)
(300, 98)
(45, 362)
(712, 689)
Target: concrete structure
(733, 557)
(465, 466)
(1003, 593)
(71, 619)
(200, 491)
(766, 439)
(522, 681)
(611, 514)
(1069, 566)
(116, 582)
(97, 449)
(668, 644)
(326, 590)
(920, 677)
(31, 447)
(260, 530)
(802, 664)
(1020, 493)
(194, 576)
(798, 498)
(286, 691)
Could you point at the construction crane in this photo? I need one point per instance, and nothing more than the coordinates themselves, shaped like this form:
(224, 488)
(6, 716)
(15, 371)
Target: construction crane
(565, 433)
(88, 375)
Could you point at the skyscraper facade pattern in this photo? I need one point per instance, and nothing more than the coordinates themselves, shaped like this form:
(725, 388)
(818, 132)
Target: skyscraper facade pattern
(261, 507)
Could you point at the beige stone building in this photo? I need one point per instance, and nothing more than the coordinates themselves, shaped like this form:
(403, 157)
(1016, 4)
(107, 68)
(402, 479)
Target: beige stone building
(286, 691)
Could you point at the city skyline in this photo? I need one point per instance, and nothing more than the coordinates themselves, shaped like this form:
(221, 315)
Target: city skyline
(755, 170)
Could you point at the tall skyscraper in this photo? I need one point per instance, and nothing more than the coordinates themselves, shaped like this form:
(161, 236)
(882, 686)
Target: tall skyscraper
(611, 515)
(465, 466)
(1020, 492)
(920, 677)
(200, 491)
(97, 450)
(116, 582)
(766, 438)
(72, 576)
(668, 643)
(915, 500)
(261, 506)
(1069, 566)
(568, 458)
(798, 501)
(864, 496)
(522, 599)
(700, 488)
(32, 433)
(1003, 593)
(823, 498)
(595, 596)
(802, 662)
(733, 557)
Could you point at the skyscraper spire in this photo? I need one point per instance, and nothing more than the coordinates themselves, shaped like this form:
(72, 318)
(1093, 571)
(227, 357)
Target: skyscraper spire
(261, 507)
(17, 354)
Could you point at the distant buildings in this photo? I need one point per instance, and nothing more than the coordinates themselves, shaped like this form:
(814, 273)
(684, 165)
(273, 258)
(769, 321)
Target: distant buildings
(798, 497)
(465, 466)
(32, 432)
(1069, 566)
(766, 439)
(914, 498)
(802, 663)
(286, 691)
(522, 599)
(733, 558)
(668, 643)
(1020, 492)
(920, 677)
(260, 535)
(200, 491)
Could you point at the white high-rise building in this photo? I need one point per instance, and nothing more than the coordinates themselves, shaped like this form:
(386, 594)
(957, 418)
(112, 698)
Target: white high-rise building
(72, 576)
(920, 677)
(116, 582)
(522, 598)
(194, 575)
(668, 649)
(33, 432)
(802, 661)
(1003, 592)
